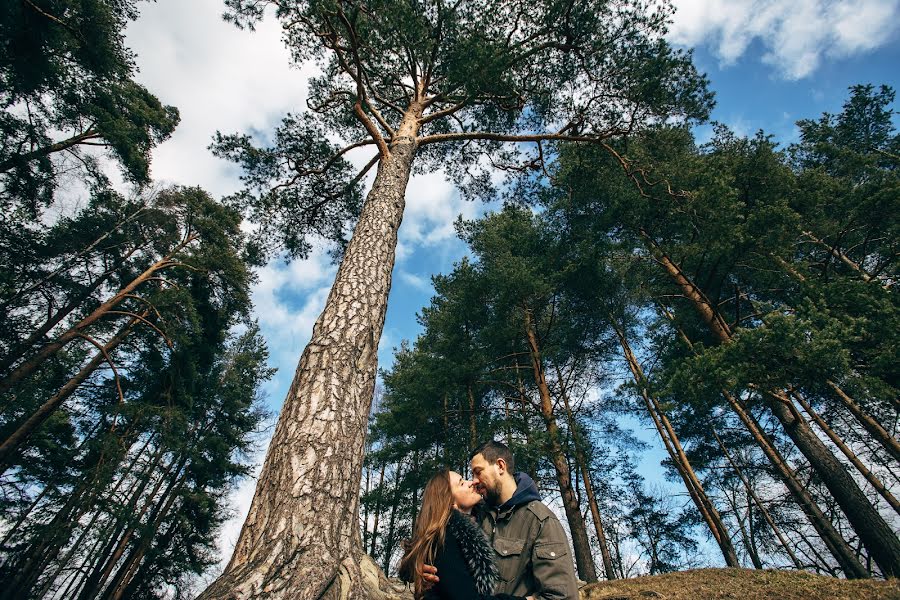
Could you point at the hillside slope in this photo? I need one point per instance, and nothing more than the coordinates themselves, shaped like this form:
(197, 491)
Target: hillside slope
(741, 584)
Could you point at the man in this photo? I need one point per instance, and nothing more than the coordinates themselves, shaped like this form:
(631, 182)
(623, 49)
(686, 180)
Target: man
(531, 548)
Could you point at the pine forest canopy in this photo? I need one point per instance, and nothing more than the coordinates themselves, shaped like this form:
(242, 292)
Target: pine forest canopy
(648, 267)
(129, 366)
(432, 85)
(744, 292)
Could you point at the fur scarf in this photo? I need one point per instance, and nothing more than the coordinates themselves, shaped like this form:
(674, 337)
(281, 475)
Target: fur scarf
(476, 551)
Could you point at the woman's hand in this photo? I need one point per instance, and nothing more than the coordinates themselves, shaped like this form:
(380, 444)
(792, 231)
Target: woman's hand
(429, 576)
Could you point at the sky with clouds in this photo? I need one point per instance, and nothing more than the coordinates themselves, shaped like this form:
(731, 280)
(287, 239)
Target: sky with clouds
(769, 62)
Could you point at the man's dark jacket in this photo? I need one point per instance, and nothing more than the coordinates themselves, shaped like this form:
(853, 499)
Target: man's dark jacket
(532, 550)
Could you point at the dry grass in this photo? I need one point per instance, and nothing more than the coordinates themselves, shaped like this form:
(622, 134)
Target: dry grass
(741, 584)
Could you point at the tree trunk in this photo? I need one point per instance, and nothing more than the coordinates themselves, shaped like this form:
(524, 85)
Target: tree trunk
(836, 544)
(20, 350)
(29, 366)
(301, 538)
(388, 545)
(876, 535)
(473, 430)
(679, 458)
(588, 485)
(115, 549)
(745, 537)
(851, 456)
(869, 424)
(123, 576)
(374, 538)
(583, 559)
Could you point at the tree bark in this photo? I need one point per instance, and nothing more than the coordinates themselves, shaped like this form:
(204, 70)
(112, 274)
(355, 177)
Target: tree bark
(583, 559)
(301, 538)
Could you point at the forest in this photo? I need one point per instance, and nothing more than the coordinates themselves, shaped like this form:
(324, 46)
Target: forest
(732, 297)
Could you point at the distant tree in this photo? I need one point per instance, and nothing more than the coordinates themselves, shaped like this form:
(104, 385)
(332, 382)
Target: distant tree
(661, 530)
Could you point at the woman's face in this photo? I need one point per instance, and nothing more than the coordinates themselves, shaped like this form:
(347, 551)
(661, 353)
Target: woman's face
(464, 494)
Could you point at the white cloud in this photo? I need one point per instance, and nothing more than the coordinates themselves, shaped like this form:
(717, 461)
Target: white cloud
(219, 77)
(796, 35)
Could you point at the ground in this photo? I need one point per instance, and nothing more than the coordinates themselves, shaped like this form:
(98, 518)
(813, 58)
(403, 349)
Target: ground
(741, 584)
(724, 584)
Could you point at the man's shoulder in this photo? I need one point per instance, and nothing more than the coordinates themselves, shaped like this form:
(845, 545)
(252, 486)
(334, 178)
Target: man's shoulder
(538, 509)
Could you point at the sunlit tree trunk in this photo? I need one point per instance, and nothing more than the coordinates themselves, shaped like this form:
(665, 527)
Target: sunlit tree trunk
(679, 458)
(873, 480)
(785, 544)
(836, 544)
(301, 539)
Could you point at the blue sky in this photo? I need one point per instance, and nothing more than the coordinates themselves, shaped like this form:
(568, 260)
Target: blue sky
(770, 64)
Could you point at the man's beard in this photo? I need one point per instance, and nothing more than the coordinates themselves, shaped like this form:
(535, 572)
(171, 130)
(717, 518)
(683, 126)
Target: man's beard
(492, 494)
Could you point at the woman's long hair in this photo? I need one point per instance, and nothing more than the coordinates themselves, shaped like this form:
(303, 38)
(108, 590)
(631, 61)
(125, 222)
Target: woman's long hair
(428, 535)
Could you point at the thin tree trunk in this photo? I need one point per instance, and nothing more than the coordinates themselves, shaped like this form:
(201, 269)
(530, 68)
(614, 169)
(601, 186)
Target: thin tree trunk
(300, 538)
(473, 430)
(48, 350)
(392, 521)
(745, 538)
(875, 533)
(851, 456)
(583, 559)
(679, 458)
(588, 486)
(869, 424)
(14, 440)
(836, 544)
(94, 583)
(123, 576)
(374, 538)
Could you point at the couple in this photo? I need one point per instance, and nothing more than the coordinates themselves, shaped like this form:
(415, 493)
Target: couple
(507, 547)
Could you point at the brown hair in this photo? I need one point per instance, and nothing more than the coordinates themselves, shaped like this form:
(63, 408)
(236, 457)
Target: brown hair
(493, 450)
(428, 535)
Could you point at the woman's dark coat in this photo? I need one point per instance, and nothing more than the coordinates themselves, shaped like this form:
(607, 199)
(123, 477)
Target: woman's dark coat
(465, 564)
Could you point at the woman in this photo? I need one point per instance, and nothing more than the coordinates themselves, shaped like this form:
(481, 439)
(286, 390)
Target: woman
(447, 537)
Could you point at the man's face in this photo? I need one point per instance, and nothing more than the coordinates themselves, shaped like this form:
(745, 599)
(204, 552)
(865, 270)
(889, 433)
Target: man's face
(486, 477)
